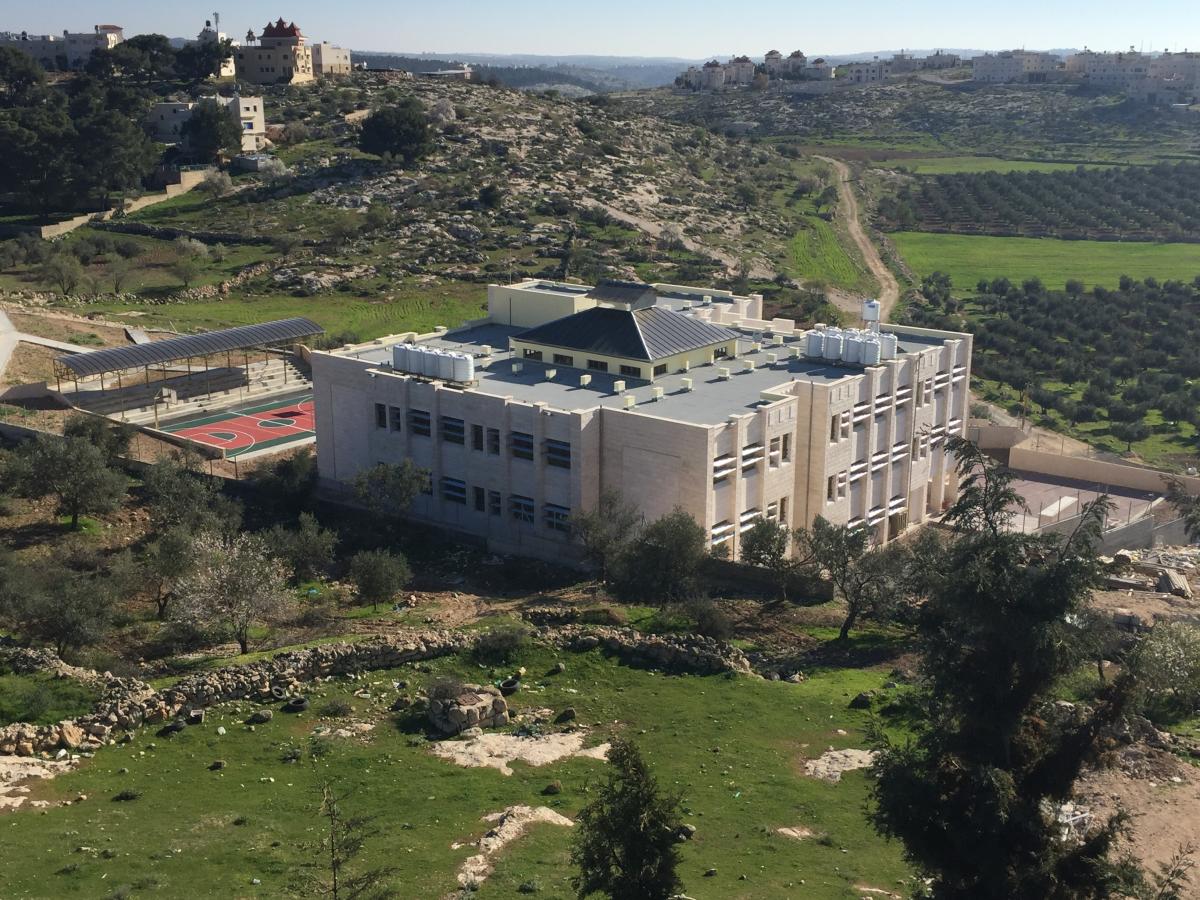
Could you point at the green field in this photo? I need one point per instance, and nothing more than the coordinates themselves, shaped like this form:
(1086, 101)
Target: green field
(41, 699)
(816, 256)
(732, 747)
(967, 259)
(415, 308)
(956, 165)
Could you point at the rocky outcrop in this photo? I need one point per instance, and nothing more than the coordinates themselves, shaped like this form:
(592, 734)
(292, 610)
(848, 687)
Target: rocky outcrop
(475, 707)
(126, 703)
(674, 653)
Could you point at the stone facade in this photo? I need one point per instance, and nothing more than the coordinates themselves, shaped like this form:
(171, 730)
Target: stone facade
(478, 706)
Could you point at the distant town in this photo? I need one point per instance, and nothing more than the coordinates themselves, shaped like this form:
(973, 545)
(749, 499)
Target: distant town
(1166, 78)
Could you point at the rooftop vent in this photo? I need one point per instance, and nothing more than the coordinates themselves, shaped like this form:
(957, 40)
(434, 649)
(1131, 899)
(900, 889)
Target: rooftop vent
(687, 384)
(486, 350)
(550, 374)
(656, 393)
(518, 367)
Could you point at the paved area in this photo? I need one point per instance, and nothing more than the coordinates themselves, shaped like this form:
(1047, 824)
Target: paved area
(1052, 500)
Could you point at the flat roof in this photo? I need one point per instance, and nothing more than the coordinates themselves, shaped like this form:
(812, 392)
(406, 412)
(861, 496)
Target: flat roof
(712, 401)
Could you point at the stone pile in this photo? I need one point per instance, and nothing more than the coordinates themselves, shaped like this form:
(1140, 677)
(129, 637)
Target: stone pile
(126, 703)
(676, 653)
(476, 707)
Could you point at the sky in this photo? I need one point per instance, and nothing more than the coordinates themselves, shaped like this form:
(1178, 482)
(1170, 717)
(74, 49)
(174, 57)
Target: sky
(663, 28)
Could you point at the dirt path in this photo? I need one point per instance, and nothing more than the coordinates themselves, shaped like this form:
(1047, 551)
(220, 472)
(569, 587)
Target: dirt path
(889, 288)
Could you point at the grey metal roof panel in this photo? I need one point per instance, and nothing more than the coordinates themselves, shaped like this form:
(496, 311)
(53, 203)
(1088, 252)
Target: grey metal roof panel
(188, 346)
(601, 330)
(612, 291)
(666, 333)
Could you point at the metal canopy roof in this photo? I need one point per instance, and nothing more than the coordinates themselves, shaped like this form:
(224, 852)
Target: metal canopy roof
(646, 334)
(189, 346)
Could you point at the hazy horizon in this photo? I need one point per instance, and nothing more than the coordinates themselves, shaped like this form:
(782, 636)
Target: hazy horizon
(668, 29)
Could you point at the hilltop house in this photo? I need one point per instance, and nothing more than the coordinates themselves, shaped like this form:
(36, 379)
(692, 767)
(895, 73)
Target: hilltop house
(165, 120)
(71, 50)
(278, 56)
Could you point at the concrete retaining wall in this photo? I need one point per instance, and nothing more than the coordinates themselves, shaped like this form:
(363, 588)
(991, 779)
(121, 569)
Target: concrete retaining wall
(1080, 468)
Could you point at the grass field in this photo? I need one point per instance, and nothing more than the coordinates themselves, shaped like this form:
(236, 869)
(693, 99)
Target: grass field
(41, 698)
(818, 257)
(967, 259)
(731, 747)
(415, 308)
(956, 165)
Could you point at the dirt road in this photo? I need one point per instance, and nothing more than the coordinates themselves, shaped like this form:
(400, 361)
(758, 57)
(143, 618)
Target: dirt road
(889, 288)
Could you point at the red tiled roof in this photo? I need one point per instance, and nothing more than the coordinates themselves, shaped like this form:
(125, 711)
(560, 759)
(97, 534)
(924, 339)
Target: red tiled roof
(281, 30)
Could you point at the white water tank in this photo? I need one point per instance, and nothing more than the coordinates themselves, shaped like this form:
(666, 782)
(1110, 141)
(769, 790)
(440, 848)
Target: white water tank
(400, 357)
(889, 344)
(464, 368)
(871, 311)
(814, 344)
(870, 352)
(852, 348)
(429, 362)
(445, 366)
(832, 345)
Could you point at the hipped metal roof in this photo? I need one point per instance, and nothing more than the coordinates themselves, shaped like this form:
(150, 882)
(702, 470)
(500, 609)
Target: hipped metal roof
(646, 334)
(190, 346)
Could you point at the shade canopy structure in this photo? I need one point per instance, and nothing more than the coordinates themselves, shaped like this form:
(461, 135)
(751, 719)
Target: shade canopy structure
(190, 346)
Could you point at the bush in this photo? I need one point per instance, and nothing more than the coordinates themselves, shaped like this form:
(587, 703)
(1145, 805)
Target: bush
(711, 621)
(337, 709)
(446, 688)
(126, 795)
(603, 615)
(501, 645)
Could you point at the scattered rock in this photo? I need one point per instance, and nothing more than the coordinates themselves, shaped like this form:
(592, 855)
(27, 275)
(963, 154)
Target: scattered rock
(509, 825)
(830, 766)
(862, 701)
(686, 832)
(554, 787)
(261, 717)
(567, 715)
(216, 765)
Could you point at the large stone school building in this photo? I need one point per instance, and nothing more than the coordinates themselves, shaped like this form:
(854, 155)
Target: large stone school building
(675, 396)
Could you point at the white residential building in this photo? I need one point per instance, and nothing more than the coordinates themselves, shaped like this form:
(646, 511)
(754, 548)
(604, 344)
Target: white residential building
(1014, 66)
(68, 50)
(209, 35)
(165, 120)
(674, 396)
(330, 60)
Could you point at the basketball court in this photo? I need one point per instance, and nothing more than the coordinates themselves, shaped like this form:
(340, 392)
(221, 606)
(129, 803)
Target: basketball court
(269, 425)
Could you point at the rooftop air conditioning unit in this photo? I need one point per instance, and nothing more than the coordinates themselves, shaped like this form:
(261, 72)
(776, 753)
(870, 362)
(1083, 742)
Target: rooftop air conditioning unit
(585, 380)
(630, 401)
(656, 393)
(518, 367)
(618, 386)
(749, 364)
(723, 373)
(687, 384)
(550, 374)
(485, 350)
(772, 358)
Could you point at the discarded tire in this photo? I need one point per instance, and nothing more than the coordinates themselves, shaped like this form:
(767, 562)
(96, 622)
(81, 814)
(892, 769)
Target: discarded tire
(296, 705)
(509, 686)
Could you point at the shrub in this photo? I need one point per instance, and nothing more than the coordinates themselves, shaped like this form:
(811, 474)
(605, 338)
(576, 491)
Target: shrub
(501, 645)
(126, 796)
(337, 709)
(603, 615)
(711, 621)
(446, 688)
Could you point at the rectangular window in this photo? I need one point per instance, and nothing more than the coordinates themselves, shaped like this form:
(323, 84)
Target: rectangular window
(480, 495)
(773, 452)
(660, 369)
(418, 422)
(380, 415)
(520, 444)
(597, 365)
(477, 438)
(631, 371)
(783, 510)
(520, 508)
(557, 518)
(397, 417)
(493, 441)
(454, 490)
(494, 503)
(833, 428)
(532, 354)
(831, 489)
(558, 453)
(453, 430)
(787, 448)
(561, 359)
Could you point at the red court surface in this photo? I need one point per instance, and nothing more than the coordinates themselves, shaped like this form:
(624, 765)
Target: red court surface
(252, 428)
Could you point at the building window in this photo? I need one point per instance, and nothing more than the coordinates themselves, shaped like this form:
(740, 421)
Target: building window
(557, 518)
(561, 359)
(480, 495)
(660, 369)
(831, 489)
(631, 371)
(833, 428)
(493, 441)
(532, 354)
(453, 430)
(418, 422)
(720, 352)
(521, 445)
(521, 508)
(396, 416)
(597, 365)
(380, 415)
(477, 438)
(783, 510)
(494, 503)
(558, 453)
(454, 490)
